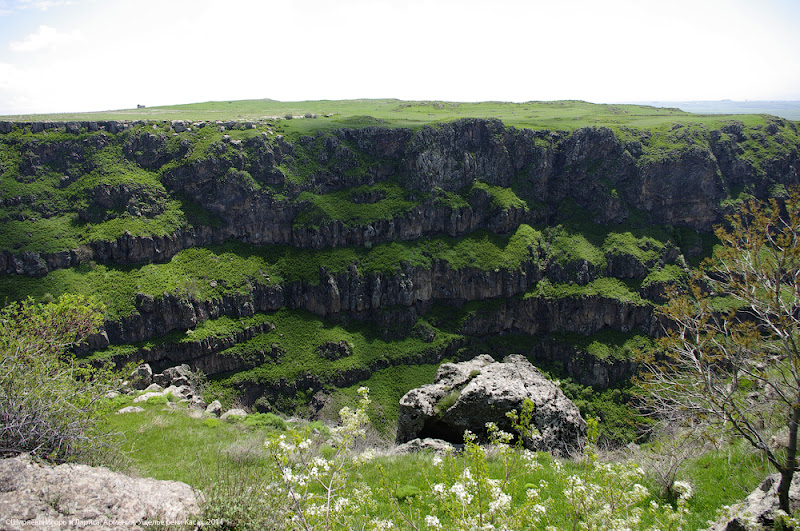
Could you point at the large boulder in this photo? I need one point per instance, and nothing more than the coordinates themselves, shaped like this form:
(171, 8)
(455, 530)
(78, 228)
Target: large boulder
(35, 496)
(467, 395)
(177, 376)
(142, 377)
(760, 508)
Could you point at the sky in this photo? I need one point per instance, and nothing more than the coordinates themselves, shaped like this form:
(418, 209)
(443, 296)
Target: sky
(95, 55)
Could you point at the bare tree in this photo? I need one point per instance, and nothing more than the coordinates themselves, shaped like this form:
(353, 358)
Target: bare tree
(731, 355)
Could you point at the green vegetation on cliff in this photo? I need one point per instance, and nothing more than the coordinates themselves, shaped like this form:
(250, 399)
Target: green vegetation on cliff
(412, 231)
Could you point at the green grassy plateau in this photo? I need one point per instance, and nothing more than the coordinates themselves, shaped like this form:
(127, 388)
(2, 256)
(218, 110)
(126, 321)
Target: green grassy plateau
(330, 114)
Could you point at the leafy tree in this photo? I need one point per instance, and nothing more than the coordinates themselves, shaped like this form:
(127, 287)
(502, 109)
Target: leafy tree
(49, 404)
(731, 355)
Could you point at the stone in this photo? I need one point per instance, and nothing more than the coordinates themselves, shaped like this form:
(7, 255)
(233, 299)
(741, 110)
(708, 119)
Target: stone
(153, 388)
(161, 379)
(437, 446)
(214, 408)
(146, 396)
(758, 510)
(467, 395)
(70, 496)
(181, 373)
(179, 391)
(141, 377)
(334, 350)
(197, 402)
(130, 409)
(236, 412)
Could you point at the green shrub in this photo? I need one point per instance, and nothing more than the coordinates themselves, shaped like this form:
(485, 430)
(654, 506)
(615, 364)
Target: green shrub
(50, 406)
(211, 423)
(265, 421)
(158, 400)
(407, 491)
(447, 401)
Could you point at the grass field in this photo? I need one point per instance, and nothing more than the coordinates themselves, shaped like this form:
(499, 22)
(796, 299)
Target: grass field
(226, 460)
(331, 114)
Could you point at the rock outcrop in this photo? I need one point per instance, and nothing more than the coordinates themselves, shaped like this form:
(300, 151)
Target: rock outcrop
(467, 395)
(35, 496)
(760, 508)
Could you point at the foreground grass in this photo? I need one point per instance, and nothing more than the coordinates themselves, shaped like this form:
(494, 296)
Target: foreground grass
(228, 460)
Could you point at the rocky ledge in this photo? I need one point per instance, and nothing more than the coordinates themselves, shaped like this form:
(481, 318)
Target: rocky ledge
(36, 496)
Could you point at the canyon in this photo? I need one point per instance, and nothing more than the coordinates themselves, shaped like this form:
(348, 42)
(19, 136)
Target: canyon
(458, 237)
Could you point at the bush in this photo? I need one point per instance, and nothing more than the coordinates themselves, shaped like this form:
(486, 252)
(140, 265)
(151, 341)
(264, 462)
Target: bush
(50, 406)
(265, 421)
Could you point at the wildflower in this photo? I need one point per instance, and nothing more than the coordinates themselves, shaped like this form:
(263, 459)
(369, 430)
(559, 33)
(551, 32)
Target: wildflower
(362, 496)
(437, 460)
(639, 492)
(382, 524)
(460, 492)
(340, 504)
(438, 489)
(433, 522)
(502, 502)
(305, 444)
(365, 457)
(683, 489)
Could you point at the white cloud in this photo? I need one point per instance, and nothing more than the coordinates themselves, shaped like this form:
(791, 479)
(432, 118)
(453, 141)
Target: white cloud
(462, 50)
(45, 37)
(15, 6)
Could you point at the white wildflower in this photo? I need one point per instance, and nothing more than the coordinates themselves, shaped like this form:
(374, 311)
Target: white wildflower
(322, 463)
(382, 524)
(460, 492)
(315, 510)
(502, 502)
(639, 492)
(433, 522)
(365, 457)
(683, 489)
(437, 460)
(340, 504)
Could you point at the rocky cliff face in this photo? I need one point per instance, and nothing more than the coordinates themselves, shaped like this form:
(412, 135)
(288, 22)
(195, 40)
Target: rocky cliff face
(243, 183)
(456, 178)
